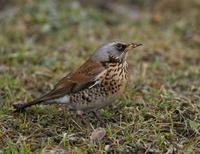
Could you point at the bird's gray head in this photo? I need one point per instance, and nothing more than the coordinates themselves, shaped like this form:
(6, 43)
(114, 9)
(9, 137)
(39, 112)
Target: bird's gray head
(113, 52)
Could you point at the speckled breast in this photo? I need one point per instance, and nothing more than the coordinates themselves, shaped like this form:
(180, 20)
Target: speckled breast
(112, 84)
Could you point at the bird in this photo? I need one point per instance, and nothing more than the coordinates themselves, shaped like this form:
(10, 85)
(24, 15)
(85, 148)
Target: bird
(97, 83)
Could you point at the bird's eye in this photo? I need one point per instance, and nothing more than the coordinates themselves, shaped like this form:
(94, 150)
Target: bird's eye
(120, 47)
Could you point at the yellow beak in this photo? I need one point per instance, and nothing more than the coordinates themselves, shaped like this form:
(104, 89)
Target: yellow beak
(133, 45)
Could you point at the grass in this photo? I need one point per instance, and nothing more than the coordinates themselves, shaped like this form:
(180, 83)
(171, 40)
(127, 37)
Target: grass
(41, 41)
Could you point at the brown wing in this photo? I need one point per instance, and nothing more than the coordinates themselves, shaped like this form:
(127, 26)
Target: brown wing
(82, 78)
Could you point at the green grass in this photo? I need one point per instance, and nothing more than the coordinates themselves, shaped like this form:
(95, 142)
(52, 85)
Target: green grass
(41, 41)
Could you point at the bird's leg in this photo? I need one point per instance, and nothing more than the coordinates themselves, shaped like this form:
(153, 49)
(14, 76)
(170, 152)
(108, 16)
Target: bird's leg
(97, 115)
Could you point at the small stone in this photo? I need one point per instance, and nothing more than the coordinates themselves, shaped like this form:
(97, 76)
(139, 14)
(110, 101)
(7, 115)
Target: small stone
(98, 134)
(107, 148)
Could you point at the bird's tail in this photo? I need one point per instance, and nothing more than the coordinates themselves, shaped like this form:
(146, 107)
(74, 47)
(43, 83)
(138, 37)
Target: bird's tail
(46, 99)
(22, 106)
(54, 96)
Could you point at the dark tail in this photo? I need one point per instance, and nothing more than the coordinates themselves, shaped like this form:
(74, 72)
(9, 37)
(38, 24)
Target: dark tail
(45, 99)
(19, 107)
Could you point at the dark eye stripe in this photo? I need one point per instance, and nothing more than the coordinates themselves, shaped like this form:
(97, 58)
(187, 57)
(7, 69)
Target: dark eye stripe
(120, 47)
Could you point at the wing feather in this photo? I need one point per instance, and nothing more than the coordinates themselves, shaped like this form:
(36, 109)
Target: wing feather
(84, 77)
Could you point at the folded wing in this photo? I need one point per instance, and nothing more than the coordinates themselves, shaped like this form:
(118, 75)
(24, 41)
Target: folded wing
(84, 77)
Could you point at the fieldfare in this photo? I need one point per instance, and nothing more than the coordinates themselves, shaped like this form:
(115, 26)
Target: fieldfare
(95, 84)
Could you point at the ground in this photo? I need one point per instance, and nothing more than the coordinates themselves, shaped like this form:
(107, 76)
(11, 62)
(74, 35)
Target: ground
(41, 41)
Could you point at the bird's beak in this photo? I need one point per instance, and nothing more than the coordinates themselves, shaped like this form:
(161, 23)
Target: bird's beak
(132, 45)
